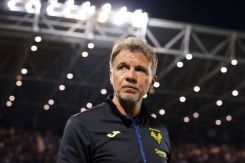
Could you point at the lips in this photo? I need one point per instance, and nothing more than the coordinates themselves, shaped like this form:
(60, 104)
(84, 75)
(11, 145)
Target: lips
(129, 87)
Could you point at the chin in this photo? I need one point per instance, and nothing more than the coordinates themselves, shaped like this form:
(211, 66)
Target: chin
(129, 98)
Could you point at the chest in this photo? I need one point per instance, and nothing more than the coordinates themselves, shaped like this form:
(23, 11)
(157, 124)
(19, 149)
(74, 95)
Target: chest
(130, 144)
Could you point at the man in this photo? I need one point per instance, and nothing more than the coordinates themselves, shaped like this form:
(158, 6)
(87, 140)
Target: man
(120, 130)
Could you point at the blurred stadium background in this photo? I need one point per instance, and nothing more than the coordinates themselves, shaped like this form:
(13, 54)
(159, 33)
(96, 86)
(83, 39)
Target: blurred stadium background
(54, 63)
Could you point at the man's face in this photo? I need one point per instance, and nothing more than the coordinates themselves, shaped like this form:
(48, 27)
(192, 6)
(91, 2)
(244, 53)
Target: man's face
(131, 75)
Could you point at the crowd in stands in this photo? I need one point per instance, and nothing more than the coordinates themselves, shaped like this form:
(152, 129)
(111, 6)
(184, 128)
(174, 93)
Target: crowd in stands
(18, 146)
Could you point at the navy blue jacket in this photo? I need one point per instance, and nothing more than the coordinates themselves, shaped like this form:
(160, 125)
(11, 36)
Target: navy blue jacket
(103, 135)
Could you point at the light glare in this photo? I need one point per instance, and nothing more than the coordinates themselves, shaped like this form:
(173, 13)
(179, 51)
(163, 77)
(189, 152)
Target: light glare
(186, 119)
(62, 87)
(219, 102)
(89, 105)
(69, 76)
(196, 88)
(9, 103)
(223, 69)
(180, 64)
(188, 56)
(218, 122)
(161, 111)
(24, 71)
(46, 107)
(103, 91)
(182, 99)
(11, 98)
(235, 93)
(195, 115)
(33, 48)
(90, 45)
(38, 38)
(228, 117)
(51, 102)
(234, 62)
(19, 83)
(156, 84)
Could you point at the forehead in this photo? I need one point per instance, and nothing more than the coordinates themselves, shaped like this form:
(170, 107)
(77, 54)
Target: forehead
(128, 56)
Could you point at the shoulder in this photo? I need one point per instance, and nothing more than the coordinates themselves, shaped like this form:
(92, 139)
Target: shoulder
(92, 113)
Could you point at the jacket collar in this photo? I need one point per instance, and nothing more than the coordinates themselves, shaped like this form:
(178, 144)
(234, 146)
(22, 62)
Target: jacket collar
(127, 119)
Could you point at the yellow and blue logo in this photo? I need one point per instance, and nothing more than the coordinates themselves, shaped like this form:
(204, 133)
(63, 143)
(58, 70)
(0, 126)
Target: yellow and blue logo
(156, 134)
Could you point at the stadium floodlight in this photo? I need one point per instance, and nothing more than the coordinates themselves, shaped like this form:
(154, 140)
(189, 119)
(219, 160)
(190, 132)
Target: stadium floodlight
(85, 11)
(33, 6)
(69, 3)
(12, 5)
(104, 13)
(120, 17)
(139, 19)
(68, 9)
(53, 1)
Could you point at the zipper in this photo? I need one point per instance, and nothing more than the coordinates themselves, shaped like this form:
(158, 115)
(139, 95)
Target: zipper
(136, 127)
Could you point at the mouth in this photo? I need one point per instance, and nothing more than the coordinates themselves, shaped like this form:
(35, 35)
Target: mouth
(130, 89)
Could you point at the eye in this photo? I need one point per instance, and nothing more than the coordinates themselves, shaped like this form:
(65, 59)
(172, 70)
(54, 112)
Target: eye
(141, 69)
(122, 66)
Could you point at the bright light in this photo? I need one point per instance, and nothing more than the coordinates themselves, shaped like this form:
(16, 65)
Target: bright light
(228, 117)
(218, 122)
(145, 96)
(234, 62)
(139, 19)
(89, 105)
(11, 4)
(69, 3)
(106, 7)
(62, 87)
(235, 93)
(154, 116)
(19, 83)
(186, 119)
(188, 56)
(196, 88)
(120, 17)
(90, 45)
(219, 102)
(53, 1)
(33, 6)
(38, 38)
(195, 115)
(104, 14)
(84, 54)
(156, 84)
(11, 98)
(33, 48)
(182, 99)
(180, 64)
(69, 76)
(223, 69)
(85, 11)
(46, 107)
(24, 71)
(30, 7)
(83, 109)
(51, 102)
(161, 111)
(103, 91)
(9, 103)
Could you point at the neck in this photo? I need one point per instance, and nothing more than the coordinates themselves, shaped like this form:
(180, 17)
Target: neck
(127, 108)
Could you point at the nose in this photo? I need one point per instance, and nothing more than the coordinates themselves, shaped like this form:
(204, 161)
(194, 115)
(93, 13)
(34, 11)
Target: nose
(131, 77)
